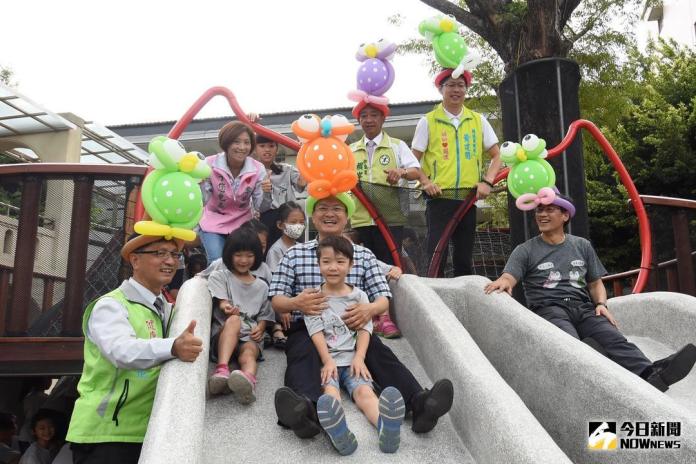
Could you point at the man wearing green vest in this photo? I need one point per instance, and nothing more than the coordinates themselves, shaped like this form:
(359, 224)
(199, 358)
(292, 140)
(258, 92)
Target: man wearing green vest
(382, 160)
(387, 161)
(450, 142)
(125, 344)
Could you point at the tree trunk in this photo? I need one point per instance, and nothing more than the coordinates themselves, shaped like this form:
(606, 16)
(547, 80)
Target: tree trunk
(541, 97)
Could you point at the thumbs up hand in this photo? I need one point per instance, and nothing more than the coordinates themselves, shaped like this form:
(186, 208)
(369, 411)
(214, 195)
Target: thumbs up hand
(187, 346)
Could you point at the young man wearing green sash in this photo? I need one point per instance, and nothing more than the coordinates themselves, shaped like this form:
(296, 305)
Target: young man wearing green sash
(126, 341)
(450, 142)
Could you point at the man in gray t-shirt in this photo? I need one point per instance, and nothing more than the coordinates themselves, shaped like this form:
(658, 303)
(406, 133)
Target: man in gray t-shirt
(561, 275)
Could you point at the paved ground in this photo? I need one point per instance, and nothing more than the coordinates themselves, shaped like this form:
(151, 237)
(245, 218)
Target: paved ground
(237, 433)
(681, 392)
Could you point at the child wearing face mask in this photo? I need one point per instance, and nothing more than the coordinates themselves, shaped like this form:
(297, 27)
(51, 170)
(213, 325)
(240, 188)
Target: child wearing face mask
(291, 222)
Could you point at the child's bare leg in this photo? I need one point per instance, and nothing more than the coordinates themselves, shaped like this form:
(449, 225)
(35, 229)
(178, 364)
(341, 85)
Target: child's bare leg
(228, 339)
(367, 402)
(243, 381)
(333, 391)
(248, 353)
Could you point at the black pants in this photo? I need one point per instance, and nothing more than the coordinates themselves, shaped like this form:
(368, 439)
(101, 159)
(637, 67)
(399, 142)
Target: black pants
(106, 453)
(579, 320)
(439, 212)
(303, 375)
(372, 238)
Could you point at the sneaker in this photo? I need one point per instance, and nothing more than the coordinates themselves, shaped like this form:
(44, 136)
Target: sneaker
(333, 421)
(243, 386)
(429, 405)
(217, 383)
(388, 328)
(377, 326)
(673, 368)
(294, 412)
(392, 410)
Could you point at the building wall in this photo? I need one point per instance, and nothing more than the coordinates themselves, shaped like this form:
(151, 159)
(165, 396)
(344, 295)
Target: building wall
(677, 21)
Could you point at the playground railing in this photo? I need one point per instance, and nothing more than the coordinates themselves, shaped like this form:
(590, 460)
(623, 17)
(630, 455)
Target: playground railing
(60, 249)
(676, 274)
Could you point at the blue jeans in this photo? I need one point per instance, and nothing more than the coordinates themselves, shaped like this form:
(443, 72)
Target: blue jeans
(347, 381)
(213, 244)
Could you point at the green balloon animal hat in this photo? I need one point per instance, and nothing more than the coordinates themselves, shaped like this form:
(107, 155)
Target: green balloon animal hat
(451, 50)
(170, 193)
(531, 179)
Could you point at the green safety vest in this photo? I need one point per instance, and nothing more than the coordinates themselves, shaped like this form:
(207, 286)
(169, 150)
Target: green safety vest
(454, 157)
(115, 404)
(386, 199)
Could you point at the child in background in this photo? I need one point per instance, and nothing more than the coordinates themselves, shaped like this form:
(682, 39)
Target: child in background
(44, 449)
(291, 221)
(342, 353)
(196, 263)
(239, 320)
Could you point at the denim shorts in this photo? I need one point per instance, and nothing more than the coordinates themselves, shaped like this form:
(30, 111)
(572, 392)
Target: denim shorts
(347, 381)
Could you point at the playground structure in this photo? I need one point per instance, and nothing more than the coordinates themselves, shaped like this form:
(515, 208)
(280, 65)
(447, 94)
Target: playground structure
(498, 415)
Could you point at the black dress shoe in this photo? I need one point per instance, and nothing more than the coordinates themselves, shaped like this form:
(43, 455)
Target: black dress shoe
(296, 413)
(429, 405)
(672, 369)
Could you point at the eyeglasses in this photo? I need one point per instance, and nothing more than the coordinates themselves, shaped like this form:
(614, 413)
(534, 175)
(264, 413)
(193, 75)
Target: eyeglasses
(161, 254)
(546, 209)
(333, 209)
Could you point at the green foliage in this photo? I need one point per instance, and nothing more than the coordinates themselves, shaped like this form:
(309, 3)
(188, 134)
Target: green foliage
(653, 129)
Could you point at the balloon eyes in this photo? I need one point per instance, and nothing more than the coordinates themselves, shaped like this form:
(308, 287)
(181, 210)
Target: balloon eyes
(308, 122)
(200, 155)
(530, 142)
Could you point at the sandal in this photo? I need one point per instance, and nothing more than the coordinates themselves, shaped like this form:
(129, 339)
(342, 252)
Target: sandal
(279, 341)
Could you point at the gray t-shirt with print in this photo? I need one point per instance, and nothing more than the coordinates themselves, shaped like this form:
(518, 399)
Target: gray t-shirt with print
(252, 299)
(339, 338)
(553, 272)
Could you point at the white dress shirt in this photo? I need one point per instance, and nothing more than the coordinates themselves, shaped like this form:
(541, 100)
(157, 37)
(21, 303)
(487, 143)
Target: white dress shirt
(109, 329)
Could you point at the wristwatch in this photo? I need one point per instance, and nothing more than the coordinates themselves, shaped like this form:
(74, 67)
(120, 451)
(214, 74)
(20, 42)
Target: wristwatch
(601, 303)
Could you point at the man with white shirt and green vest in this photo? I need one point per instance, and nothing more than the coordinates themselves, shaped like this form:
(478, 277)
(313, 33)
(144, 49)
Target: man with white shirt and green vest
(382, 160)
(126, 341)
(450, 142)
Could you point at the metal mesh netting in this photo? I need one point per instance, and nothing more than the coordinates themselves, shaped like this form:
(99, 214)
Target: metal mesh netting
(404, 207)
(107, 215)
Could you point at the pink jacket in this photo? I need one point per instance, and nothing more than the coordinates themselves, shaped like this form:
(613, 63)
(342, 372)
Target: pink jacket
(229, 200)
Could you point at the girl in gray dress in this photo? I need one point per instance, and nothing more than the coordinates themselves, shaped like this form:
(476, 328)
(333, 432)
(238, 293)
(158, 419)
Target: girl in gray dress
(240, 314)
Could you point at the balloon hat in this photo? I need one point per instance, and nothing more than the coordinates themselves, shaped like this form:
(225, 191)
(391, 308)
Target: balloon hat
(324, 159)
(170, 193)
(451, 50)
(375, 76)
(343, 197)
(531, 179)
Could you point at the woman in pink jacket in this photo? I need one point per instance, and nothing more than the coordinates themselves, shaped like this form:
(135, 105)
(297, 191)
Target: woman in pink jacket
(233, 190)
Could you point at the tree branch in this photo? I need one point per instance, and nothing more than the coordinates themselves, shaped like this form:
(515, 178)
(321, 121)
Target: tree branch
(469, 20)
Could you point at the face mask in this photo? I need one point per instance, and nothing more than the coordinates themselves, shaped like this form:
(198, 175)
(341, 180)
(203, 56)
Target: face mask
(294, 231)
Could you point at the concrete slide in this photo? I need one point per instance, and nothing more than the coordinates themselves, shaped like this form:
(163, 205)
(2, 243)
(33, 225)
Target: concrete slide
(488, 422)
(565, 383)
